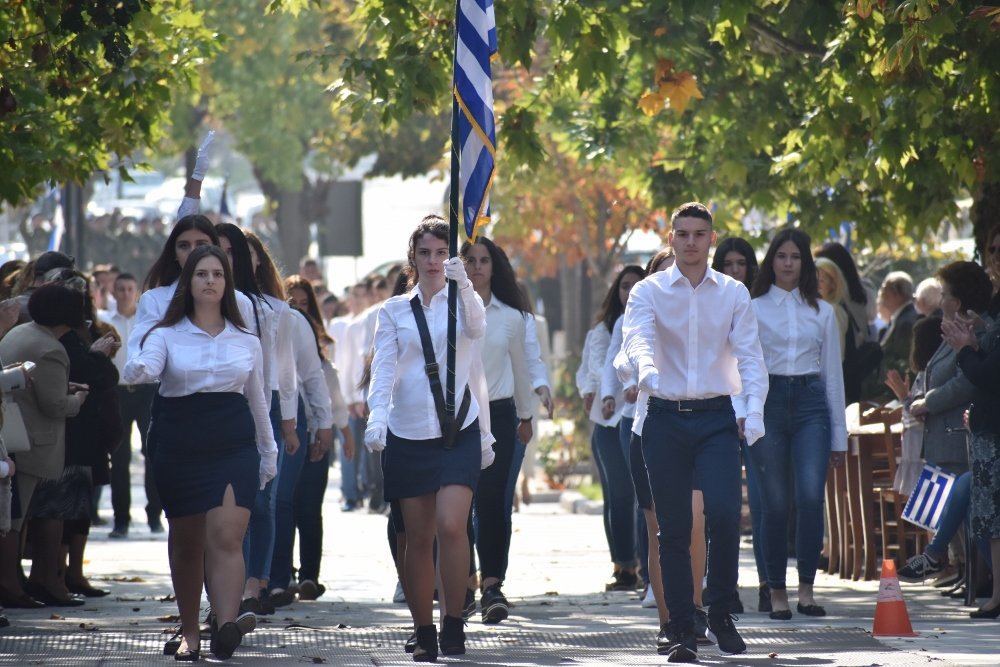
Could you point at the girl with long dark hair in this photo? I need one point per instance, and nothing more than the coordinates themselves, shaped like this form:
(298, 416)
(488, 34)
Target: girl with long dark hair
(215, 447)
(430, 465)
(612, 466)
(804, 423)
(311, 489)
(505, 365)
(272, 324)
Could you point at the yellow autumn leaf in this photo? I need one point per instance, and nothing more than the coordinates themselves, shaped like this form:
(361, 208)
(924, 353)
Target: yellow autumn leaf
(651, 103)
(679, 90)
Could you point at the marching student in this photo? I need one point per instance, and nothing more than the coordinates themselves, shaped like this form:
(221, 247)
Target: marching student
(806, 430)
(506, 370)
(609, 454)
(736, 258)
(692, 336)
(214, 444)
(431, 462)
(272, 322)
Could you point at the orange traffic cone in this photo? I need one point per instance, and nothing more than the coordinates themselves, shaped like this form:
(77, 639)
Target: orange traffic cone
(891, 619)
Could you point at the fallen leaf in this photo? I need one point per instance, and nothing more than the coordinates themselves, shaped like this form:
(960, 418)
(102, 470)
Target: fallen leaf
(169, 618)
(316, 660)
(772, 655)
(57, 617)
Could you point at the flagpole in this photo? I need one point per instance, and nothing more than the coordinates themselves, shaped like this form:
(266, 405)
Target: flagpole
(449, 397)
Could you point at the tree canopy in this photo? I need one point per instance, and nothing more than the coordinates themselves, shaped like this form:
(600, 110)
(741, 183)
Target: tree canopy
(84, 82)
(872, 112)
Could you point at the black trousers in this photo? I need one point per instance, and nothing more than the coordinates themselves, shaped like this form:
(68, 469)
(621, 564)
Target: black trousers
(492, 520)
(135, 402)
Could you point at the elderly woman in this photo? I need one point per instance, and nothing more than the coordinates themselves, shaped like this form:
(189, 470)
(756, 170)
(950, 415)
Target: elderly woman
(980, 361)
(947, 392)
(45, 405)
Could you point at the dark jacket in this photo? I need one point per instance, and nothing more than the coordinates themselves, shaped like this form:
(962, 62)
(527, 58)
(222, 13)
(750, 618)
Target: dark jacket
(982, 368)
(96, 431)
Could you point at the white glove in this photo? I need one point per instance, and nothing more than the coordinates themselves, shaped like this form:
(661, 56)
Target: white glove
(268, 467)
(375, 436)
(649, 379)
(201, 162)
(454, 269)
(488, 457)
(753, 428)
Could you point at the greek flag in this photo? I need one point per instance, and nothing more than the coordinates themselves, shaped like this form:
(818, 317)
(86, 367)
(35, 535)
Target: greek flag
(929, 496)
(476, 43)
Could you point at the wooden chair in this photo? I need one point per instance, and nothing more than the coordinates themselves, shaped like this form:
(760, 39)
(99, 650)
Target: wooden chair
(899, 539)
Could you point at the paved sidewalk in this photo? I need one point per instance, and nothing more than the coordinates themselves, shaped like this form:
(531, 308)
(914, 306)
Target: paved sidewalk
(561, 616)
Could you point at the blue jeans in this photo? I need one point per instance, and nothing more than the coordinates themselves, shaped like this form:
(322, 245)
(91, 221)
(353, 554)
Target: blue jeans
(794, 451)
(284, 505)
(258, 543)
(954, 514)
(349, 469)
(756, 513)
(619, 494)
(682, 449)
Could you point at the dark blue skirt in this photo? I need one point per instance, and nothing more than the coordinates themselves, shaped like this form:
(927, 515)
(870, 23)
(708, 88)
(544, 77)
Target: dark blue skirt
(413, 468)
(205, 442)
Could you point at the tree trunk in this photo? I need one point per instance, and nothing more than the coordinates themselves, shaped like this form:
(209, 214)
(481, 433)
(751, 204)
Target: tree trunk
(985, 214)
(294, 212)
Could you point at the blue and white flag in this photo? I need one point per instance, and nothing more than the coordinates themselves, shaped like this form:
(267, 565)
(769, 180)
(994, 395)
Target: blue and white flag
(929, 496)
(476, 44)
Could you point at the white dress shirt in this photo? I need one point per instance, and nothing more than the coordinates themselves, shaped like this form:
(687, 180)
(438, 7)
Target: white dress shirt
(693, 342)
(123, 325)
(311, 379)
(533, 355)
(585, 382)
(276, 332)
(153, 306)
(597, 351)
(798, 339)
(187, 360)
(610, 384)
(399, 394)
(504, 356)
(360, 334)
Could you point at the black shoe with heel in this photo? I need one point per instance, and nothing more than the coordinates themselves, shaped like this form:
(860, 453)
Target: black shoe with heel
(452, 638)
(983, 612)
(426, 649)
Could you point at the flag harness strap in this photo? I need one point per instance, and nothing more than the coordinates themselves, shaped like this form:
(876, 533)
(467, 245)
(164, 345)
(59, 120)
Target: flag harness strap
(449, 424)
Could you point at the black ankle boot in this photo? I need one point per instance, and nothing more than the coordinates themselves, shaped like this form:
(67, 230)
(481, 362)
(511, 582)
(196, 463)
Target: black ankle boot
(427, 644)
(452, 636)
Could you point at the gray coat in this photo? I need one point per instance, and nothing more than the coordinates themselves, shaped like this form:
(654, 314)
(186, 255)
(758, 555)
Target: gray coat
(948, 394)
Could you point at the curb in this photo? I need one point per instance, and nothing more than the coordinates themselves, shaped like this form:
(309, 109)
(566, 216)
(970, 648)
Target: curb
(576, 503)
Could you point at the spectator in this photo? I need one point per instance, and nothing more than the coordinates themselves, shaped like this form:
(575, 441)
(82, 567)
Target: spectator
(981, 365)
(45, 405)
(833, 289)
(927, 297)
(895, 298)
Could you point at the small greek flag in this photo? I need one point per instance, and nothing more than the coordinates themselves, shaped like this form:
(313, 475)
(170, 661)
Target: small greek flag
(929, 497)
(476, 44)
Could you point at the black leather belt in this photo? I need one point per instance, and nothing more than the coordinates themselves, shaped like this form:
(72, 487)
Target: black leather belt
(692, 405)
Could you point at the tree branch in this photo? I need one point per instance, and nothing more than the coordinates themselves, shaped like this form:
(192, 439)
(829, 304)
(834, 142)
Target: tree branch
(773, 42)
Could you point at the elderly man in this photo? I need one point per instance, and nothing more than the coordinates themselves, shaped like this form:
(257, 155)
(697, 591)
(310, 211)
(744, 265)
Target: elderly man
(895, 301)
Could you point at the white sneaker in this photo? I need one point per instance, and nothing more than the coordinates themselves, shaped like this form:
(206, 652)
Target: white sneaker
(649, 602)
(399, 597)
